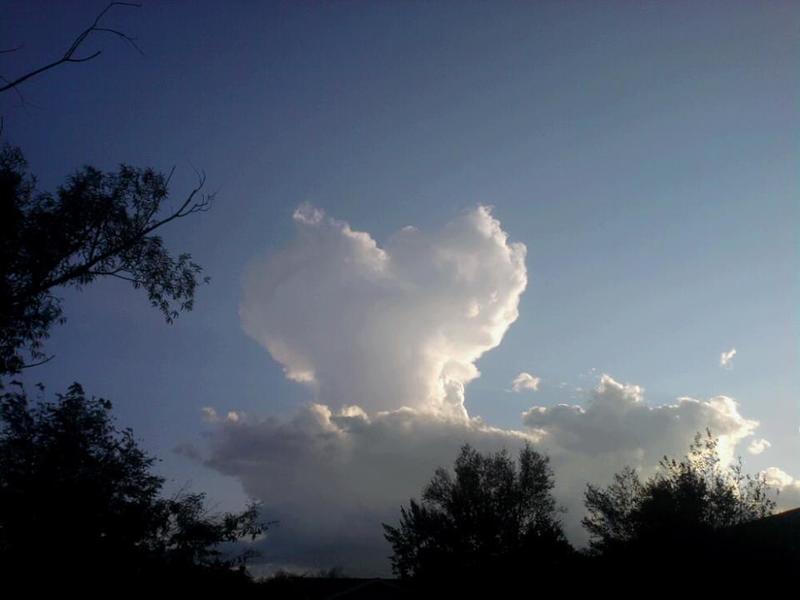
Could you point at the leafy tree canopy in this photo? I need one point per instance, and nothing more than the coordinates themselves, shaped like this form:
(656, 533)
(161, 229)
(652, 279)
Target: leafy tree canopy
(490, 517)
(96, 225)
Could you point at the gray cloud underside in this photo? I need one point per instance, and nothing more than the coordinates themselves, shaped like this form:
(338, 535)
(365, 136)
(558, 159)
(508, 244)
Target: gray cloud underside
(332, 477)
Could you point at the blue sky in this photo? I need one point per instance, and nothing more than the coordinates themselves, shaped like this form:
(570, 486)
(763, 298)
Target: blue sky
(646, 154)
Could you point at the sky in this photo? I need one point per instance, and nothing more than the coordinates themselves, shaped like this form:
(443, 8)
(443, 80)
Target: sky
(568, 223)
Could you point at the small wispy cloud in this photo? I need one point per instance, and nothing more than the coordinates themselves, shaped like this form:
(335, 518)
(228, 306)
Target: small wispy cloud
(758, 446)
(525, 382)
(210, 415)
(726, 359)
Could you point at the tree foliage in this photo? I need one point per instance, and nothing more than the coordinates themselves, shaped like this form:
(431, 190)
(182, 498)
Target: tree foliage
(489, 517)
(680, 510)
(96, 225)
(80, 496)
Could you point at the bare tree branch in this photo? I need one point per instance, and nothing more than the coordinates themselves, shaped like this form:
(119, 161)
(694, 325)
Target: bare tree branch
(39, 363)
(10, 50)
(11, 86)
(69, 55)
(118, 276)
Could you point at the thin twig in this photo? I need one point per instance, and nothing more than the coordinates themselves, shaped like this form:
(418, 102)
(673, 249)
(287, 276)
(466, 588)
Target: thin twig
(41, 362)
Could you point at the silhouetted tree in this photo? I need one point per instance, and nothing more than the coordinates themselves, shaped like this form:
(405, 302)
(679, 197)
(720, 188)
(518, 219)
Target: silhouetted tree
(96, 225)
(79, 500)
(679, 511)
(489, 519)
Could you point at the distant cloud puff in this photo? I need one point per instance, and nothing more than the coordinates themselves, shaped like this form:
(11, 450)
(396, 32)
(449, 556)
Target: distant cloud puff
(210, 415)
(726, 359)
(758, 446)
(525, 382)
(787, 486)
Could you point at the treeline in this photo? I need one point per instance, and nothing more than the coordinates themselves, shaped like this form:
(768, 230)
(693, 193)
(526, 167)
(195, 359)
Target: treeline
(494, 519)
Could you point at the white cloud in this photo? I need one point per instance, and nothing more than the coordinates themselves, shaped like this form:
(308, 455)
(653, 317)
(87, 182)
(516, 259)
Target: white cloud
(524, 382)
(758, 446)
(210, 415)
(726, 359)
(399, 325)
(788, 487)
(617, 419)
(777, 478)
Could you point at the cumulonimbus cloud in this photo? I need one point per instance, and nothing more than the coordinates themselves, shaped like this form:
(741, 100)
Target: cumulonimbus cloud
(386, 327)
(387, 338)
